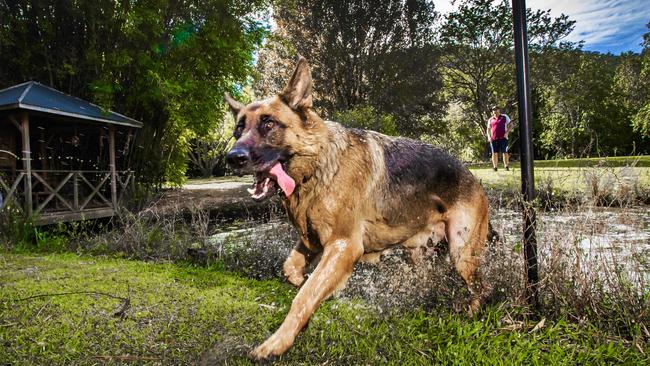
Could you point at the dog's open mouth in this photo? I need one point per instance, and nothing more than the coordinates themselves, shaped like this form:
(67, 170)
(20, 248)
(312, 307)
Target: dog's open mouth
(267, 183)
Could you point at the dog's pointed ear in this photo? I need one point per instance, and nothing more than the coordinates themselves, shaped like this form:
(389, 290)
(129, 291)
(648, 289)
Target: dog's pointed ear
(297, 93)
(234, 105)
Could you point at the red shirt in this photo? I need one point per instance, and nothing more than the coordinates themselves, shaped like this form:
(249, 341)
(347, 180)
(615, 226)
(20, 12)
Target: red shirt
(498, 127)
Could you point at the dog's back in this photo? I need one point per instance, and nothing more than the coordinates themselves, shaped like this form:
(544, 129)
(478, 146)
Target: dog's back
(401, 178)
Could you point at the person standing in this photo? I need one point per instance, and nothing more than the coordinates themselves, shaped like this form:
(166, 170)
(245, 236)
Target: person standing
(498, 128)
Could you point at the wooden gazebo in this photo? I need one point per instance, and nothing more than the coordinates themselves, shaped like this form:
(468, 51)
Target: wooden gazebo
(62, 158)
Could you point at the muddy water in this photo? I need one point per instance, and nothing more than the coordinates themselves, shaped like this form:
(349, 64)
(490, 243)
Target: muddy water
(605, 239)
(583, 245)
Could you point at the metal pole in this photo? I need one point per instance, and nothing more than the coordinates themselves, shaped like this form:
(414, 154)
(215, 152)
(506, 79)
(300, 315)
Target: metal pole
(527, 177)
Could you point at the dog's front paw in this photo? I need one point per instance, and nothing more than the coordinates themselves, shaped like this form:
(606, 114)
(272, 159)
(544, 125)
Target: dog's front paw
(274, 346)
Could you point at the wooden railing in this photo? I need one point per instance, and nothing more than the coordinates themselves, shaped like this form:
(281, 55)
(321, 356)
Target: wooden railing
(65, 193)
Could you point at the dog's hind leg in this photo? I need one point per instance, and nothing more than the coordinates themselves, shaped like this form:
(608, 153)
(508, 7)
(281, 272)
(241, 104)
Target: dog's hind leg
(467, 227)
(296, 263)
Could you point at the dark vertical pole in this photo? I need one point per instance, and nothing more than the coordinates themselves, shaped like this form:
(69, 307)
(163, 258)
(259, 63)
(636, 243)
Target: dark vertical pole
(527, 178)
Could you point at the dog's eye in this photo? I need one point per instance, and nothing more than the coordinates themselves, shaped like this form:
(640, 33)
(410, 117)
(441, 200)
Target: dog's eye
(267, 123)
(238, 130)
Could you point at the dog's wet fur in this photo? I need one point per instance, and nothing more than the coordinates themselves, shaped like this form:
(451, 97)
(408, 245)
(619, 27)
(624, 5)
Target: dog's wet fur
(357, 193)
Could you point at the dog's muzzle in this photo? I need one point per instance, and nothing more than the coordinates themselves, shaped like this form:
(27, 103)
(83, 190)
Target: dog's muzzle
(238, 157)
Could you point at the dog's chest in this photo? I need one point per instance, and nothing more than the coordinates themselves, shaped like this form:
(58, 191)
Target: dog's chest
(310, 225)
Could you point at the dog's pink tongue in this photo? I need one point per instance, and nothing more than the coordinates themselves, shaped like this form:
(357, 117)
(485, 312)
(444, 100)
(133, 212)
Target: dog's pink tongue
(284, 181)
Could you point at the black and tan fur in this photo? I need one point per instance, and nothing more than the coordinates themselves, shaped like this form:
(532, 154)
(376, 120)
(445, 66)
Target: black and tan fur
(357, 194)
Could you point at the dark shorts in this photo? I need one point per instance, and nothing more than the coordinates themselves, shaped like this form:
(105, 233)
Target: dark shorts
(499, 146)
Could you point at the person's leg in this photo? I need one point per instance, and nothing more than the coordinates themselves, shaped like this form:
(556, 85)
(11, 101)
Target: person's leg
(495, 157)
(506, 155)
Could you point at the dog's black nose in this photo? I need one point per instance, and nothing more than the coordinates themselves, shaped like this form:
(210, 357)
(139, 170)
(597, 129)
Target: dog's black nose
(238, 157)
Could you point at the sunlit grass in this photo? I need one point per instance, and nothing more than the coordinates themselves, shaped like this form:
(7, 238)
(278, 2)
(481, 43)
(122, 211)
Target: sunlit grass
(574, 179)
(179, 314)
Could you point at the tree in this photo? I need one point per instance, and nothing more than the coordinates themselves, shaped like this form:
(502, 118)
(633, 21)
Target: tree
(366, 53)
(207, 153)
(585, 108)
(478, 60)
(367, 118)
(275, 63)
(164, 62)
(641, 99)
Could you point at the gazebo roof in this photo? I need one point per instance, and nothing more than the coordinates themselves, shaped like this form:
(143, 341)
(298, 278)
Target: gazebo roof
(35, 96)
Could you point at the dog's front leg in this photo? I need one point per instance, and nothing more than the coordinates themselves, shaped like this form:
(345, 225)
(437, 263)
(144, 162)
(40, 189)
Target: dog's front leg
(297, 261)
(333, 270)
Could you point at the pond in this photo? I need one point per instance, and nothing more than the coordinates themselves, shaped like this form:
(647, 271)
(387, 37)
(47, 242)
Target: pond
(587, 248)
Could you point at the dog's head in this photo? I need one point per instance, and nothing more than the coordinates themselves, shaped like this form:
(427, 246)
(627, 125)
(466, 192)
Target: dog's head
(271, 133)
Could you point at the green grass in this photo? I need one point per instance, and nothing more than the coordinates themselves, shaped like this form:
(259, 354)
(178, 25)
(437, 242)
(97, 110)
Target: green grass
(570, 175)
(564, 179)
(609, 161)
(179, 312)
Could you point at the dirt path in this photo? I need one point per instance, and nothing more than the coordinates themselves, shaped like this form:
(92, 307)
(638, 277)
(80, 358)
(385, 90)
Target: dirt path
(204, 194)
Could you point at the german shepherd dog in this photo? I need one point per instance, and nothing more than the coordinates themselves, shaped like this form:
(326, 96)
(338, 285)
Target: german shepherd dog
(351, 194)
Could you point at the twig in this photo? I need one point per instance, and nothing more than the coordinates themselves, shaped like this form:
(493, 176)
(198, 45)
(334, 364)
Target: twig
(41, 309)
(426, 355)
(126, 302)
(271, 307)
(127, 358)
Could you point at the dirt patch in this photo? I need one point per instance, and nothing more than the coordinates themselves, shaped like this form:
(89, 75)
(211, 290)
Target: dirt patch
(222, 201)
(223, 351)
(201, 196)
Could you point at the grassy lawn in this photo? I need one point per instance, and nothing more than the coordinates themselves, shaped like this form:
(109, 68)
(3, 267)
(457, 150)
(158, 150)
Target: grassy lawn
(569, 179)
(609, 161)
(571, 175)
(179, 314)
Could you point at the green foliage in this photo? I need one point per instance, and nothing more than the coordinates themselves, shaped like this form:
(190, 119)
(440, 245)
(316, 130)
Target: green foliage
(208, 152)
(585, 109)
(457, 134)
(366, 117)
(640, 97)
(275, 64)
(377, 53)
(168, 63)
(478, 58)
(641, 121)
(162, 62)
(16, 230)
(19, 234)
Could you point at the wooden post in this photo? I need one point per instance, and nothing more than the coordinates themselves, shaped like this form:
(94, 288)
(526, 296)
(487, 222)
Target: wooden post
(27, 163)
(75, 186)
(111, 152)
